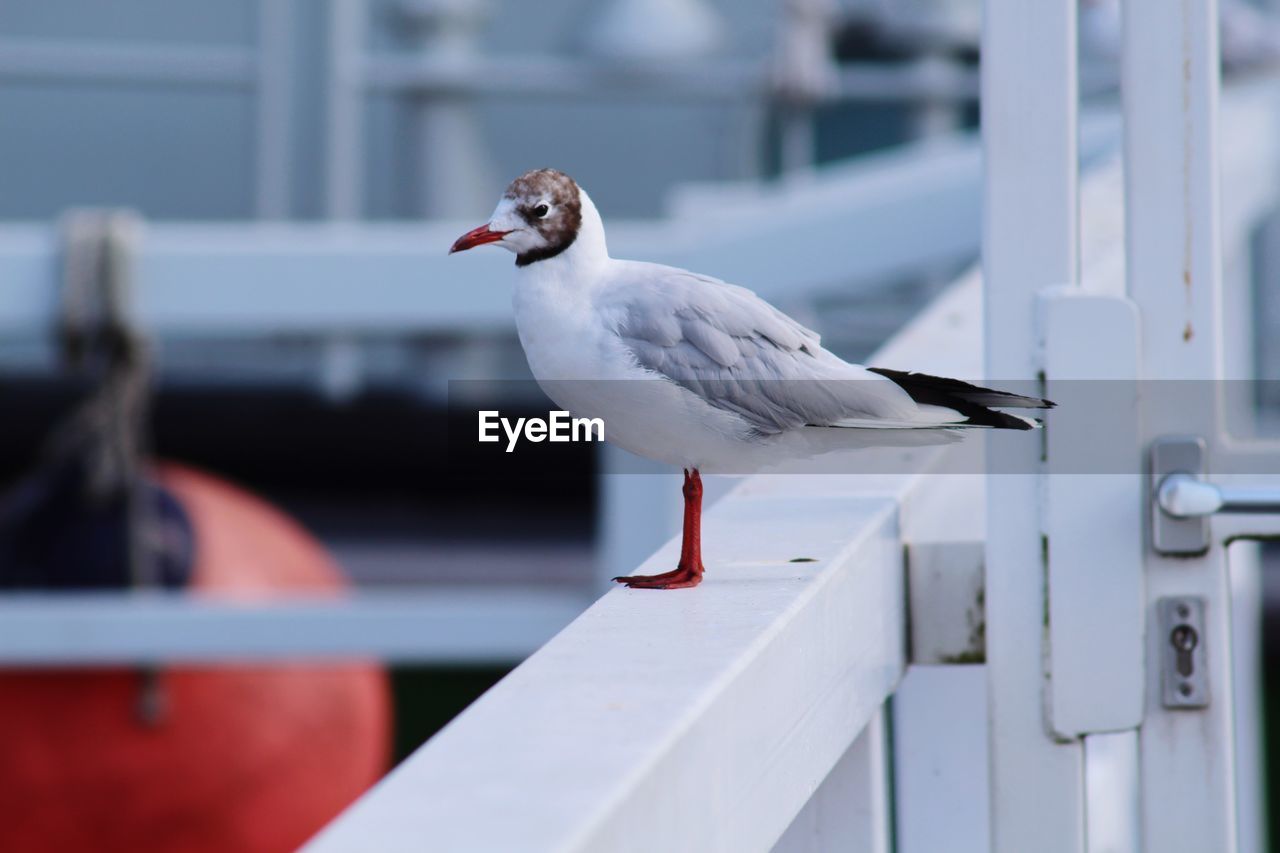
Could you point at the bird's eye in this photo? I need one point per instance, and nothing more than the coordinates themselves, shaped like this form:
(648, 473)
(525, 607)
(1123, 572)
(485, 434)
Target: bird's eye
(541, 210)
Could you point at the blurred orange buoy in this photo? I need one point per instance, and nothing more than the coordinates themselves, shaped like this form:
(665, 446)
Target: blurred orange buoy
(242, 758)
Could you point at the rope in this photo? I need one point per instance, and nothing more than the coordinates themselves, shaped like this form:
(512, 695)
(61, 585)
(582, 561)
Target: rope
(108, 432)
(97, 337)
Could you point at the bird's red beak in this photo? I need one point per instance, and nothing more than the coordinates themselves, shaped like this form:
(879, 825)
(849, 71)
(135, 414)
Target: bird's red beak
(477, 237)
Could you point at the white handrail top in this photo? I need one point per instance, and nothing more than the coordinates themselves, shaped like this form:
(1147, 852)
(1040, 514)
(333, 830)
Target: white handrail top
(734, 699)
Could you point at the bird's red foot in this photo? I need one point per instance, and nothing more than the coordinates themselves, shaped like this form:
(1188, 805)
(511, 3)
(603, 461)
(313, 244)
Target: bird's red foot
(678, 578)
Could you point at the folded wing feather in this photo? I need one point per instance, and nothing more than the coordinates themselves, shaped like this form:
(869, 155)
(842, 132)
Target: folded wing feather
(739, 353)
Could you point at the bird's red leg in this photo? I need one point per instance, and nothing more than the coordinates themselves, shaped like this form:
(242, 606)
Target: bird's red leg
(689, 571)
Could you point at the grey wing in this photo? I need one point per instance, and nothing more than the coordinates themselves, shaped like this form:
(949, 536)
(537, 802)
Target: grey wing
(739, 353)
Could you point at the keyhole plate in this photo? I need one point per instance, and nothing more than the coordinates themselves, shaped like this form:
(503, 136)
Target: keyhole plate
(1184, 674)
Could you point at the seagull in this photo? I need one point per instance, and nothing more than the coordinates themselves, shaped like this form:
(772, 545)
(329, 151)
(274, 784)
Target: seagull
(692, 371)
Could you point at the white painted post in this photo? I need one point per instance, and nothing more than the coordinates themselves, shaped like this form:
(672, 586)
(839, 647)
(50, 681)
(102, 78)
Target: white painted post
(1170, 83)
(1096, 605)
(1030, 241)
(1174, 269)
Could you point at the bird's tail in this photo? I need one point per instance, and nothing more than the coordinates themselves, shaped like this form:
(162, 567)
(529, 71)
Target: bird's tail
(977, 405)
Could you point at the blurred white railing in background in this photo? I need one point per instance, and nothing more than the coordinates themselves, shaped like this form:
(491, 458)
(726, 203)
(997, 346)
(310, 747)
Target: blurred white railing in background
(634, 49)
(664, 49)
(909, 212)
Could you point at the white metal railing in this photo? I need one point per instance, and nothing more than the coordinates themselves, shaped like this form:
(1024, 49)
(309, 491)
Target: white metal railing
(902, 213)
(722, 712)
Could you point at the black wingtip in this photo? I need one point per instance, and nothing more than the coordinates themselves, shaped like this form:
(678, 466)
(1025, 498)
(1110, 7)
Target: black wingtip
(976, 403)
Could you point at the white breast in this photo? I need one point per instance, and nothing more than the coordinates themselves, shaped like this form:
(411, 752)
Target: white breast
(584, 367)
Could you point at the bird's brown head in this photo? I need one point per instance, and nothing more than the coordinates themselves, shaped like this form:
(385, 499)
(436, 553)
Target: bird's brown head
(537, 218)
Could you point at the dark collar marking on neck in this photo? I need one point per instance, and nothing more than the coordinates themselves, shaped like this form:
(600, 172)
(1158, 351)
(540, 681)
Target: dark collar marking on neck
(525, 258)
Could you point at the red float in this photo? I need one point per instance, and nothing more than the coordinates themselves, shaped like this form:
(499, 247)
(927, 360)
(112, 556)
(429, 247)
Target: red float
(241, 759)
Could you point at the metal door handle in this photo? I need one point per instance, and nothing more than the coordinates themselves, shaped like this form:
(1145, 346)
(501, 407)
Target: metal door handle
(1182, 495)
(1181, 501)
